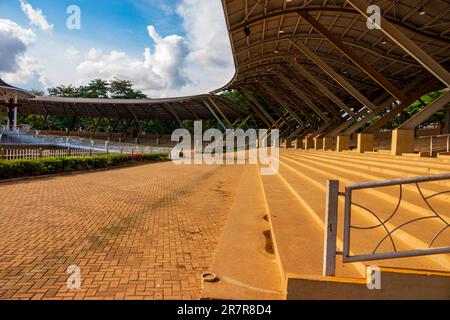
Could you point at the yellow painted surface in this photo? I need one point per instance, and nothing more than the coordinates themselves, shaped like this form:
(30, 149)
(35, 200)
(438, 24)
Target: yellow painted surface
(318, 144)
(398, 284)
(343, 143)
(402, 142)
(365, 142)
(327, 143)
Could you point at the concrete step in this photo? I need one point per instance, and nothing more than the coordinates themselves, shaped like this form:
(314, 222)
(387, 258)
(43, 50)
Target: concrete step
(412, 206)
(297, 229)
(376, 172)
(316, 181)
(296, 199)
(432, 166)
(349, 175)
(382, 155)
(395, 284)
(245, 262)
(394, 167)
(444, 156)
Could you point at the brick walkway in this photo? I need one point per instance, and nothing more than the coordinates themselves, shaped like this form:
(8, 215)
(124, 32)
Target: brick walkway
(146, 232)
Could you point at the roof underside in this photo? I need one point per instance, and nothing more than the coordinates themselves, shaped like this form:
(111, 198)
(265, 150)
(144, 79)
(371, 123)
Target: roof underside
(186, 108)
(265, 37)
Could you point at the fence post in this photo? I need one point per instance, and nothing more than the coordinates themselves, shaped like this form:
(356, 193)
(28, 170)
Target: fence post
(40, 153)
(329, 256)
(2, 153)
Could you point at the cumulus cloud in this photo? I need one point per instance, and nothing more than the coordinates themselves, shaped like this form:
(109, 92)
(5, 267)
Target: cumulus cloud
(196, 62)
(162, 68)
(36, 16)
(72, 54)
(199, 62)
(30, 71)
(13, 43)
(207, 35)
(15, 65)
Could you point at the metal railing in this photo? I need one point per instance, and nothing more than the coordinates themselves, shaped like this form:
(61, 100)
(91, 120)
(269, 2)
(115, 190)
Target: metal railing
(433, 142)
(82, 144)
(332, 208)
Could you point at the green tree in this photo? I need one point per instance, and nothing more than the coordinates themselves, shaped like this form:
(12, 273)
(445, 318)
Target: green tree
(96, 89)
(123, 89)
(64, 91)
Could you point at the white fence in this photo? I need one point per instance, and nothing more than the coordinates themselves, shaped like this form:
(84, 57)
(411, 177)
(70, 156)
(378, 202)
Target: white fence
(33, 153)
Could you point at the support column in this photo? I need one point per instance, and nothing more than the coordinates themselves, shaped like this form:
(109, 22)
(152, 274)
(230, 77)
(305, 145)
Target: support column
(403, 141)
(318, 143)
(9, 120)
(15, 118)
(298, 143)
(288, 143)
(343, 143)
(309, 143)
(327, 143)
(365, 142)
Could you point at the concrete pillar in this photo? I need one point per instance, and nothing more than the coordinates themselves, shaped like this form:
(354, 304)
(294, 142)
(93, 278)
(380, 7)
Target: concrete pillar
(288, 143)
(343, 143)
(318, 144)
(15, 118)
(298, 144)
(365, 142)
(309, 143)
(327, 143)
(9, 119)
(403, 141)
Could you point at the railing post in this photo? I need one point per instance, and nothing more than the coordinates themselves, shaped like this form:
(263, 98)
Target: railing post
(431, 147)
(329, 257)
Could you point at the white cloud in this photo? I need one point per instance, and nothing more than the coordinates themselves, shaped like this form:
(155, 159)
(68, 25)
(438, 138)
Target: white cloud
(13, 44)
(15, 64)
(210, 61)
(72, 54)
(93, 54)
(30, 71)
(160, 69)
(36, 16)
(195, 63)
(207, 35)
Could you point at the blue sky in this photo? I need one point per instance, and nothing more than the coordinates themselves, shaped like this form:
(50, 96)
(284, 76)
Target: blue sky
(165, 39)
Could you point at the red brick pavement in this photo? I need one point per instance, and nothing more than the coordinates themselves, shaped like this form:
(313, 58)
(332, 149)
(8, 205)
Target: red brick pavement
(145, 232)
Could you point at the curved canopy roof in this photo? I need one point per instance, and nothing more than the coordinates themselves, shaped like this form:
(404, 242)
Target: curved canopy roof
(8, 92)
(292, 47)
(318, 56)
(185, 108)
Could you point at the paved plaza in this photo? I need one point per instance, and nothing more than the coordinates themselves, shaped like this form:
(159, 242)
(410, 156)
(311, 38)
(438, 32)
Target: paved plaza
(146, 232)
